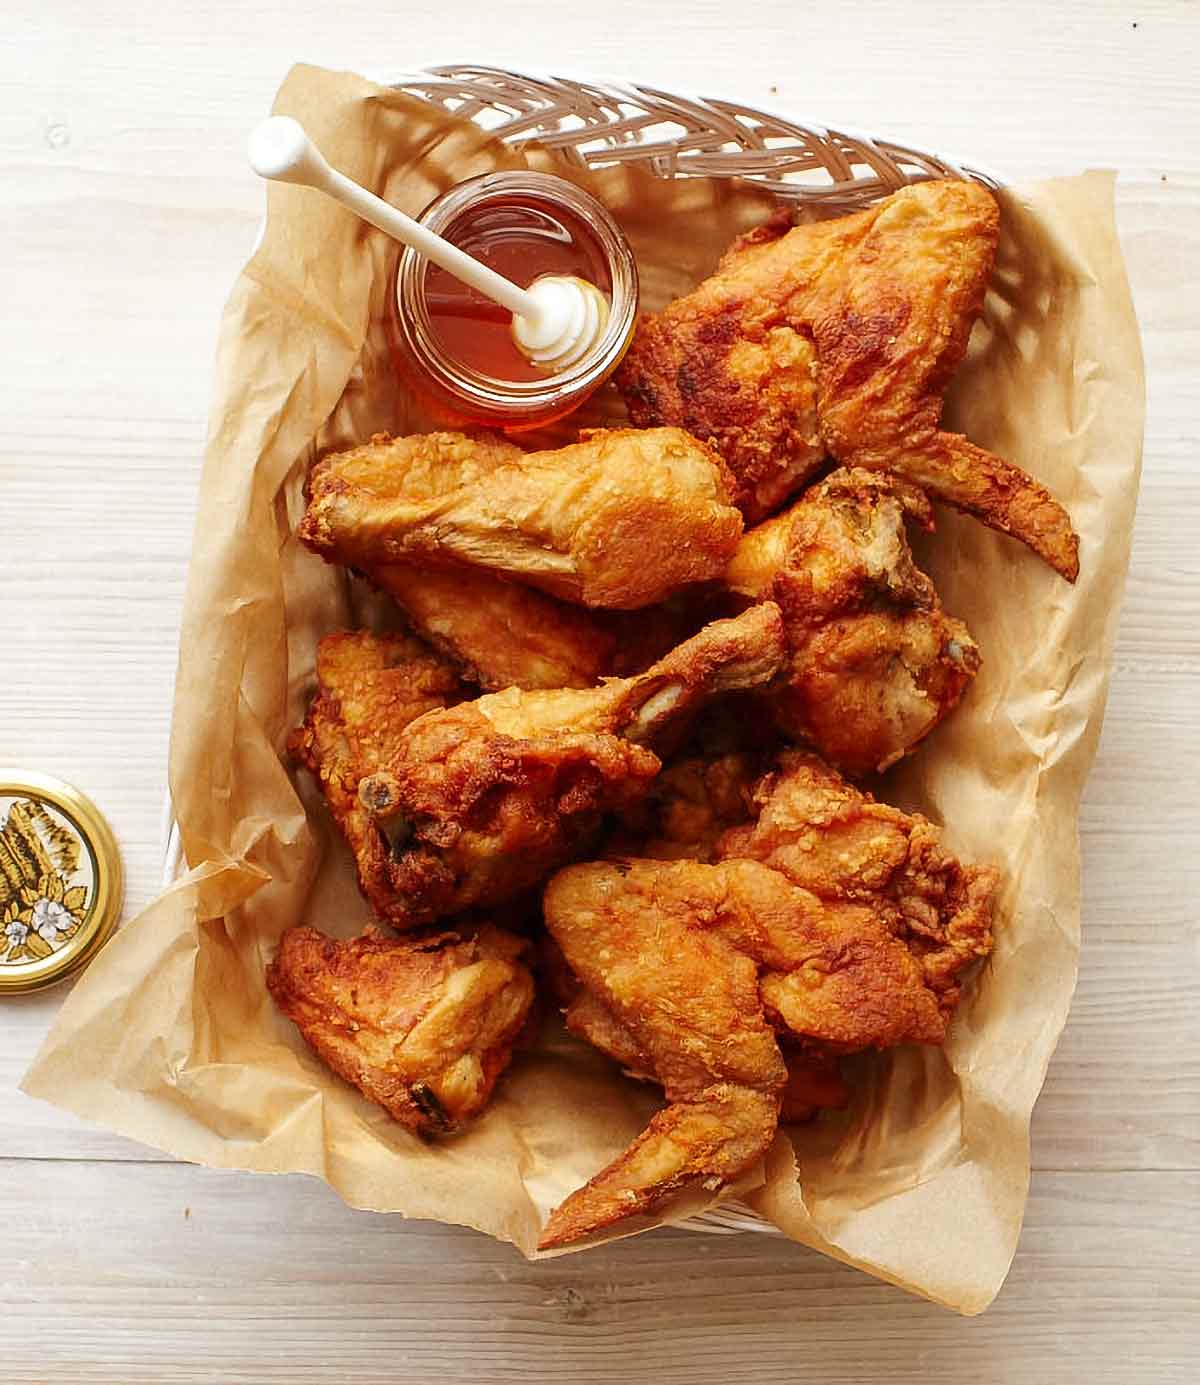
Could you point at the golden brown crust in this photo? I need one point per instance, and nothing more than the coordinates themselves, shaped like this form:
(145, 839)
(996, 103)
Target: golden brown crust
(621, 519)
(838, 339)
(501, 634)
(483, 800)
(477, 817)
(832, 839)
(835, 921)
(754, 398)
(874, 661)
(369, 687)
(416, 468)
(422, 1028)
(833, 971)
(702, 1144)
(645, 938)
(679, 1004)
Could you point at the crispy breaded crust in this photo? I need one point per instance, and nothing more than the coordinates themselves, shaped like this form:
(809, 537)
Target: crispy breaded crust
(369, 688)
(484, 800)
(621, 519)
(874, 661)
(839, 339)
(831, 919)
(422, 1028)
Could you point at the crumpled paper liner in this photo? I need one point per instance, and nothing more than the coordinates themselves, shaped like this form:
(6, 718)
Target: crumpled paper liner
(171, 1038)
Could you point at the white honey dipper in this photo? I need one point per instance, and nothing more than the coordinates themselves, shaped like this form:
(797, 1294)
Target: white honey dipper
(556, 320)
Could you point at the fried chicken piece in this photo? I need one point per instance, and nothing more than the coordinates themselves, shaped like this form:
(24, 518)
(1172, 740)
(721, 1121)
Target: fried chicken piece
(483, 800)
(689, 1002)
(705, 1143)
(814, 1081)
(827, 837)
(422, 1028)
(369, 687)
(620, 519)
(673, 950)
(874, 661)
(832, 919)
(500, 634)
(839, 339)
(503, 634)
(423, 466)
(586, 1015)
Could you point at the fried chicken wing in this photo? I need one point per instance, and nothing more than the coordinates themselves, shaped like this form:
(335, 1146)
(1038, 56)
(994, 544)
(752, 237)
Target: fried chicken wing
(673, 950)
(874, 662)
(689, 1002)
(369, 687)
(814, 1081)
(839, 339)
(621, 519)
(833, 920)
(483, 800)
(422, 1028)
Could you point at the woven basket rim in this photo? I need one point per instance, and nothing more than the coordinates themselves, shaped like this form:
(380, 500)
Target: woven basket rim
(895, 142)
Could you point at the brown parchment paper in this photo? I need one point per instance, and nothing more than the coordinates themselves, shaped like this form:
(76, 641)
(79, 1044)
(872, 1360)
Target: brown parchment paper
(170, 1037)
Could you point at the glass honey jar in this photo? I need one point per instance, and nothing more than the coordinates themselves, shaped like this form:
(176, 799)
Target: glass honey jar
(455, 348)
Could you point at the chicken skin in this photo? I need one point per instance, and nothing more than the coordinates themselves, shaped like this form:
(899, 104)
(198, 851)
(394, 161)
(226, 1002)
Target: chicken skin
(688, 1000)
(838, 339)
(422, 1028)
(481, 801)
(829, 838)
(814, 1082)
(832, 919)
(369, 687)
(502, 634)
(874, 662)
(621, 519)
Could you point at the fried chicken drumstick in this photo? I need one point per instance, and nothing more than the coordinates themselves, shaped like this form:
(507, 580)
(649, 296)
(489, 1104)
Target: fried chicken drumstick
(481, 801)
(831, 918)
(839, 339)
(621, 519)
(422, 1028)
(496, 633)
(874, 662)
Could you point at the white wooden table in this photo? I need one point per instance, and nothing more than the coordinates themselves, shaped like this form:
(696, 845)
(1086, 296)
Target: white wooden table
(126, 211)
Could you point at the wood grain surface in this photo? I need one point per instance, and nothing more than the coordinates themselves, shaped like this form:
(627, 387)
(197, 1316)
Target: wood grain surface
(126, 213)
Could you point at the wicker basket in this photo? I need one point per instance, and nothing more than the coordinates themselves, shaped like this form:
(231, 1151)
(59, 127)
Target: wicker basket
(597, 124)
(594, 124)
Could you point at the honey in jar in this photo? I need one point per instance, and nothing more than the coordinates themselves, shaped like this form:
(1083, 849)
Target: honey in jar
(456, 348)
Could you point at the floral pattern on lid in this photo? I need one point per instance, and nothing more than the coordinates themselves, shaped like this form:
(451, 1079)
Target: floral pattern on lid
(60, 881)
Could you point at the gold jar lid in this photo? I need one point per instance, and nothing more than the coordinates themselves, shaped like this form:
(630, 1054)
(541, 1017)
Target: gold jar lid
(61, 882)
